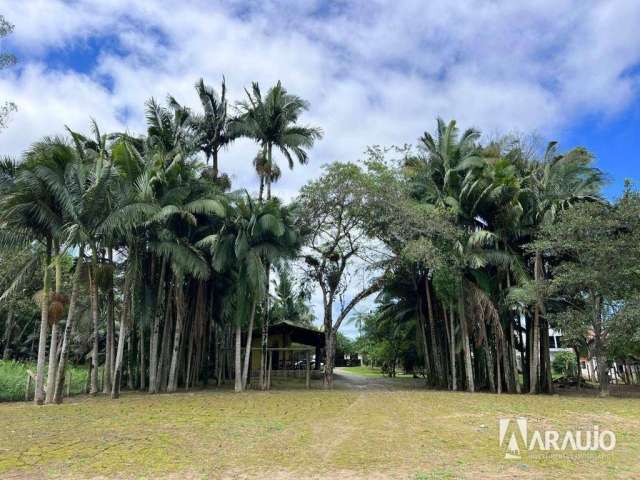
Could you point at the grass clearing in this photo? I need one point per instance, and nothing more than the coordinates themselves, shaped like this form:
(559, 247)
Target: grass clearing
(300, 434)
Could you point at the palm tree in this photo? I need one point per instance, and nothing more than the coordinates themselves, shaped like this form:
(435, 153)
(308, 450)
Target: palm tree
(556, 183)
(86, 194)
(437, 176)
(254, 236)
(30, 210)
(272, 121)
(213, 129)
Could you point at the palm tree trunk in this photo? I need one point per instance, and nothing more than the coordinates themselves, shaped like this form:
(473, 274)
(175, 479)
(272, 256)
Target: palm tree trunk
(39, 396)
(238, 359)
(452, 349)
(109, 348)
(122, 336)
(422, 327)
(261, 188)
(499, 356)
(270, 164)
(7, 335)
(545, 357)
(512, 358)
(53, 349)
(432, 332)
(155, 333)
(468, 368)
(161, 374)
(68, 329)
(172, 385)
(488, 357)
(141, 359)
(214, 164)
(93, 289)
(534, 360)
(247, 350)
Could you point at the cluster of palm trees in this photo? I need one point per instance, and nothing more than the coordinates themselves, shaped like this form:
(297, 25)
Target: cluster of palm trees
(165, 253)
(161, 248)
(477, 296)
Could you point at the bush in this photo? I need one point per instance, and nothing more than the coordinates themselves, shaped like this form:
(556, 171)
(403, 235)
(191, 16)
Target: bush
(564, 363)
(13, 379)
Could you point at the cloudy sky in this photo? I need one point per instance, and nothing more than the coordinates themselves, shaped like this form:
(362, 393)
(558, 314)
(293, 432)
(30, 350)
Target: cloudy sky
(374, 72)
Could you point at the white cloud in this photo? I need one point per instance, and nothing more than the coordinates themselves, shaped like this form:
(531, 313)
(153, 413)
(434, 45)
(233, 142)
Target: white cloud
(375, 72)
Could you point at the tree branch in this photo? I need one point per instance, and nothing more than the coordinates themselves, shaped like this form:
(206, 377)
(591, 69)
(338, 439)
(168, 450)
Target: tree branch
(374, 287)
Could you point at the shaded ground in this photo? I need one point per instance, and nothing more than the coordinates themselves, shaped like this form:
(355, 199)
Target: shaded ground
(351, 432)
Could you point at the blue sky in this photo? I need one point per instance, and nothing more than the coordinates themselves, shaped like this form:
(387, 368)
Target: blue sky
(375, 72)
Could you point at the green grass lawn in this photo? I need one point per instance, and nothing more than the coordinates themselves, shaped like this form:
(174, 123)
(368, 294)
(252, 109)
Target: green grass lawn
(413, 434)
(13, 380)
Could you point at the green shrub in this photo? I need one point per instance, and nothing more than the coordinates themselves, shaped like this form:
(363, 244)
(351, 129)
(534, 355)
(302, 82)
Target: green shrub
(13, 379)
(564, 363)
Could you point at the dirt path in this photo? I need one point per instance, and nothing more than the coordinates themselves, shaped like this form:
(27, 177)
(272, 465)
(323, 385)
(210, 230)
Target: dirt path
(342, 379)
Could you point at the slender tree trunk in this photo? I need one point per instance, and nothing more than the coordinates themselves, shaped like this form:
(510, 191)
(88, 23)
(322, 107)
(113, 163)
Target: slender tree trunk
(142, 359)
(130, 357)
(214, 157)
(264, 344)
(601, 354)
(545, 360)
(68, 329)
(247, 350)
(109, 347)
(432, 332)
(511, 373)
(93, 289)
(270, 163)
(7, 335)
(161, 374)
(512, 358)
(422, 328)
(468, 367)
(488, 357)
(155, 332)
(122, 336)
(452, 348)
(177, 339)
(534, 359)
(525, 343)
(261, 194)
(238, 359)
(499, 357)
(53, 349)
(39, 396)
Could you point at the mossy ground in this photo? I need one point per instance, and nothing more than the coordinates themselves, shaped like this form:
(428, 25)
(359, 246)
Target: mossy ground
(306, 434)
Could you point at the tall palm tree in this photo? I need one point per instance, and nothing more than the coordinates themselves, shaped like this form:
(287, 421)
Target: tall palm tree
(272, 121)
(88, 200)
(31, 210)
(555, 184)
(438, 174)
(254, 236)
(213, 129)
